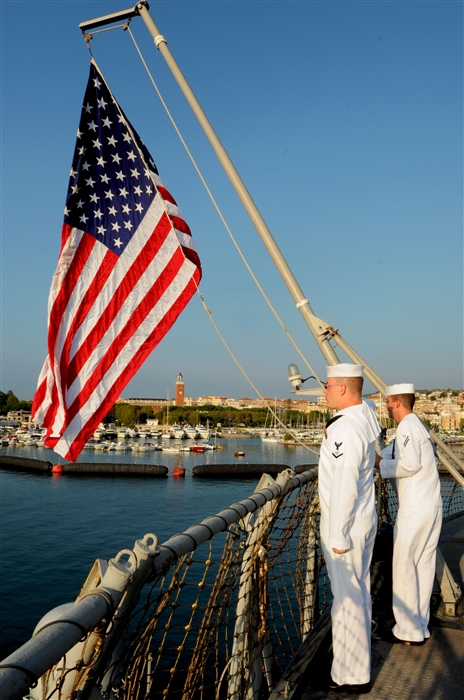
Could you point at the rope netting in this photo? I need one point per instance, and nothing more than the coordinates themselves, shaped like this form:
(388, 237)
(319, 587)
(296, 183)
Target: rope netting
(224, 619)
(232, 613)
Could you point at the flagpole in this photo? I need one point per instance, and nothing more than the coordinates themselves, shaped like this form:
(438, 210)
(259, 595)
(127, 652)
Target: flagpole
(302, 303)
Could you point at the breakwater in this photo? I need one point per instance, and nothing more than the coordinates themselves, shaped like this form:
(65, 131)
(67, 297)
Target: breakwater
(83, 468)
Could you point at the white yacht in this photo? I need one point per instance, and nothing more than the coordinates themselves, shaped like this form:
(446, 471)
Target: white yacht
(179, 432)
(204, 432)
(192, 433)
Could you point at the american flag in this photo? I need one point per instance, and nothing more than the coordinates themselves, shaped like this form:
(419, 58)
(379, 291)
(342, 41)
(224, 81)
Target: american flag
(127, 268)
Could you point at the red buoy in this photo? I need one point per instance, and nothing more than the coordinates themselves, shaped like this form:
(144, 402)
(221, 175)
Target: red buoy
(57, 469)
(178, 471)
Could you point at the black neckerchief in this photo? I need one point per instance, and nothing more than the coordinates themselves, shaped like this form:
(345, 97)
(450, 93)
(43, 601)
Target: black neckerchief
(330, 421)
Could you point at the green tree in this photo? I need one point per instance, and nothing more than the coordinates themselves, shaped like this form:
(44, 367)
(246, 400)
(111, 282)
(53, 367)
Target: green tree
(126, 414)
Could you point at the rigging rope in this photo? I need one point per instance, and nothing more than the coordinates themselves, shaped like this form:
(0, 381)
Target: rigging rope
(216, 206)
(126, 27)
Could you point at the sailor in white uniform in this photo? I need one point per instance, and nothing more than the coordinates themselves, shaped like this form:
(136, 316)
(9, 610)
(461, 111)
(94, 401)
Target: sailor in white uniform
(410, 460)
(349, 522)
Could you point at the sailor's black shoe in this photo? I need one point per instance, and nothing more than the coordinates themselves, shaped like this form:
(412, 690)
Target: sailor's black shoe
(389, 637)
(357, 689)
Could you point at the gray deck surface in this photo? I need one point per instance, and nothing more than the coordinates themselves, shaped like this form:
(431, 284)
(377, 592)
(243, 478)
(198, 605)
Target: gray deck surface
(434, 671)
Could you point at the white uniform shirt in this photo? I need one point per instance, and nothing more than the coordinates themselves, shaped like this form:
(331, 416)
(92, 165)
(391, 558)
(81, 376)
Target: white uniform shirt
(346, 466)
(414, 466)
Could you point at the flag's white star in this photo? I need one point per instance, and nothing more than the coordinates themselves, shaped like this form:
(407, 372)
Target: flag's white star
(126, 209)
(148, 189)
(85, 165)
(118, 243)
(90, 182)
(101, 230)
(139, 208)
(74, 189)
(97, 213)
(88, 107)
(120, 175)
(116, 158)
(137, 190)
(127, 137)
(94, 198)
(81, 150)
(123, 192)
(97, 143)
(107, 122)
(109, 195)
(104, 178)
(66, 211)
(72, 173)
(112, 141)
(135, 173)
(115, 226)
(131, 155)
(112, 211)
(121, 119)
(101, 162)
(101, 103)
(128, 225)
(83, 218)
(80, 204)
(79, 134)
(96, 83)
(92, 125)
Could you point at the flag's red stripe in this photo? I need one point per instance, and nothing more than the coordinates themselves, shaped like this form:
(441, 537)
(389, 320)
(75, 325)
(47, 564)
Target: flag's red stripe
(130, 279)
(51, 412)
(161, 284)
(51, 442)
(180, 225)
(39, 397)
(166, 194)
(65, 233)
(138, 359)
(192, 255)
(101, 275)
(78, 262)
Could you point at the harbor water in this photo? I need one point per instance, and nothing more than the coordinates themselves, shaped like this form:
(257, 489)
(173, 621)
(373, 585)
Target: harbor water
(53, 528)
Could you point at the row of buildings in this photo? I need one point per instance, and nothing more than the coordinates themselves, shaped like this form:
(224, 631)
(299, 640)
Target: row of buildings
(443, 409)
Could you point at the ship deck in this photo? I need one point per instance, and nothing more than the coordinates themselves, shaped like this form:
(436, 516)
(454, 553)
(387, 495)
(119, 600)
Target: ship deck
(433, 671)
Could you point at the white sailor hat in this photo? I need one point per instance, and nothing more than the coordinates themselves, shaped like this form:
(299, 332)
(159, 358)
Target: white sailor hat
(396, 389)
(345, 369)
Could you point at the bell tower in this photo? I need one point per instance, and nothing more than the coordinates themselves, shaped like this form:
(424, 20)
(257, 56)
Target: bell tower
(179, 390)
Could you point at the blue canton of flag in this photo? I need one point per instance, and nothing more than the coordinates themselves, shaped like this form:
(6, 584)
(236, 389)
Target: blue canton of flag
(110, 185)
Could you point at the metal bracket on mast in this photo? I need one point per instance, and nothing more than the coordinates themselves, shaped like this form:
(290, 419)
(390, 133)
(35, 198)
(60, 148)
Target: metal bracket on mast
(114, 17)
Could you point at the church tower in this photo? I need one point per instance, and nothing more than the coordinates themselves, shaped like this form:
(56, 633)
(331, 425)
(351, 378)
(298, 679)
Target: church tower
(179, 390)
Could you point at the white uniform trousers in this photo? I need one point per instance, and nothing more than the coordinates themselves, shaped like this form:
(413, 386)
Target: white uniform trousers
(416, 535)
(352, 606)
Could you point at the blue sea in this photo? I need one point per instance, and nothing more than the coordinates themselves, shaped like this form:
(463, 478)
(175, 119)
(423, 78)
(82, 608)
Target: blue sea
(53, 528)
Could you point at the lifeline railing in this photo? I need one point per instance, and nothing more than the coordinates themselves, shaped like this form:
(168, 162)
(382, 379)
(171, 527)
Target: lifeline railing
(224, 606)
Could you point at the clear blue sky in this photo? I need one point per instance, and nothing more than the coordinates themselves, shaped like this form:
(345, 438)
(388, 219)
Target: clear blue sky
(344, 120)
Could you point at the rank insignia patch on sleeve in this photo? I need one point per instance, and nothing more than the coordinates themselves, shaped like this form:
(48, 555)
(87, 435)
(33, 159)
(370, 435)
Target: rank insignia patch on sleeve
(337, 452)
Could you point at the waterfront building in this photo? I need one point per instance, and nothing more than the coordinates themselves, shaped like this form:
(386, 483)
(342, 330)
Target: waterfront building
(179, 390)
